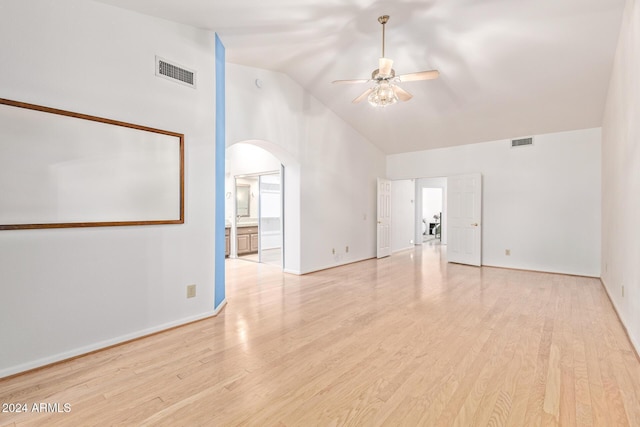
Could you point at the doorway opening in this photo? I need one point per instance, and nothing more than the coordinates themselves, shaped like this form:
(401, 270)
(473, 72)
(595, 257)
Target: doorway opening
(432, 204)
(256, 157)
(258, 219)
(431, 211)
(254, 204)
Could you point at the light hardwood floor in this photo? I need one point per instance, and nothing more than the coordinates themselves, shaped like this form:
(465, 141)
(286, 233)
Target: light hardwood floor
(268, 256)
(406, 340)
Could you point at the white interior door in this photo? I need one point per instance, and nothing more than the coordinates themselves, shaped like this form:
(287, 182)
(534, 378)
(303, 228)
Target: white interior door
(464, 211)
(384, 218)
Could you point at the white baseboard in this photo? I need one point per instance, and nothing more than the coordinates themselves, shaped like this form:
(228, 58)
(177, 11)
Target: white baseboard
(634, 343)
(353, 261)
(541, 271)
(220, 307)
(403, 249)
(12, 370)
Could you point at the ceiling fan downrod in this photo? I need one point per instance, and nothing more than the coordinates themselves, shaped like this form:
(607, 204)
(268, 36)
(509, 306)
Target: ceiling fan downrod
(383, 20)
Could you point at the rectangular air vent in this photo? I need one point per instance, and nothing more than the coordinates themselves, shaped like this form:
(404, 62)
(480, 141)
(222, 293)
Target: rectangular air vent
(521, 142)
(175, 73)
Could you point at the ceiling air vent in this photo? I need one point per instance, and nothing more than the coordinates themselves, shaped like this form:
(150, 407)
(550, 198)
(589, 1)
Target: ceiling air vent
(521, 142)
(175, 73)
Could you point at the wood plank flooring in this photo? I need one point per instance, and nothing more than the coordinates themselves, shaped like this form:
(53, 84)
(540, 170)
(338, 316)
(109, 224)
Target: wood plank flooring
(406, 340)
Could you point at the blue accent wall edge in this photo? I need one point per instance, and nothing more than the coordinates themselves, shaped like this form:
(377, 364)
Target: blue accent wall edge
(219, 265)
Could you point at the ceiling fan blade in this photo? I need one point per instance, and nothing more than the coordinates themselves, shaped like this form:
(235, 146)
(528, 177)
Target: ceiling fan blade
(421, 75)
(384, 66)
(341, 82)
(363, 96)
(402, 94)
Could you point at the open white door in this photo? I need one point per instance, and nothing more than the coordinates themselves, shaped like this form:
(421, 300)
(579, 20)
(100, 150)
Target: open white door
(464, 212)
(384, 218)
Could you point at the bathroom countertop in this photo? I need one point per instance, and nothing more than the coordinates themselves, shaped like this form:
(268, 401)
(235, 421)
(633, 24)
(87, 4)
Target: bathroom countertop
(247, 224)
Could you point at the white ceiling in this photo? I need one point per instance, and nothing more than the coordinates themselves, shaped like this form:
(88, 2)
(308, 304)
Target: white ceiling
(509, 68)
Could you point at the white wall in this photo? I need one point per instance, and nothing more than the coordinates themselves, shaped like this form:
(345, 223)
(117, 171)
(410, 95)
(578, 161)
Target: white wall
(334, 167)
(69, 291)
(621, 177)
(402, 214)
(542, 202)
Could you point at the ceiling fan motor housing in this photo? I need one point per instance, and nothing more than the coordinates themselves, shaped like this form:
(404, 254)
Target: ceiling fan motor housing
(375, 75)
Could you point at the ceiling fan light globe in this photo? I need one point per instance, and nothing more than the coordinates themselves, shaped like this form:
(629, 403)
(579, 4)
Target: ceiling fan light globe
(382, 95)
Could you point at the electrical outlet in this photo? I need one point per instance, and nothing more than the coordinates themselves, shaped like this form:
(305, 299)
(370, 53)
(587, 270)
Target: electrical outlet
(507, 252)
(191, 291)
(346, 249)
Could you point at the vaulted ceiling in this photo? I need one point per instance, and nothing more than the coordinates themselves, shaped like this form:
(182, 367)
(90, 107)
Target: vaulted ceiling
(508, 68)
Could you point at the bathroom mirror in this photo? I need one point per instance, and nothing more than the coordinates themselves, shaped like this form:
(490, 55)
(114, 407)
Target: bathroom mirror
(242, 200)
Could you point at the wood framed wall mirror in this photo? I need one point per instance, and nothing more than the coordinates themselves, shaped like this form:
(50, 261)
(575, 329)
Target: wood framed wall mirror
(61, 169)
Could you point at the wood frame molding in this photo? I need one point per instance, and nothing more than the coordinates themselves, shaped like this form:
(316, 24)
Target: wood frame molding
(179, 136)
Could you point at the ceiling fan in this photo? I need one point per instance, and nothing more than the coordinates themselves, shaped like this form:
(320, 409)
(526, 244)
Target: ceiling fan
(385, 90)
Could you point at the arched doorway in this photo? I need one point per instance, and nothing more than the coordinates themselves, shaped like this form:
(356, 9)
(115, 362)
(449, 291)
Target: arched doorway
(259, 161)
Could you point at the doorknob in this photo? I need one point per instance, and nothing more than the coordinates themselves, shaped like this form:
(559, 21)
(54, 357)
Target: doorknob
(475, 224)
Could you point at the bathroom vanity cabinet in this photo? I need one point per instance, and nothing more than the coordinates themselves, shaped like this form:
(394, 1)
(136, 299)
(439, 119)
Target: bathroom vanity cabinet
(247, 240)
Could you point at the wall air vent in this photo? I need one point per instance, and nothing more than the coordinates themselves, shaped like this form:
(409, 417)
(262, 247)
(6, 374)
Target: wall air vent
(175, 73)
(521, 142)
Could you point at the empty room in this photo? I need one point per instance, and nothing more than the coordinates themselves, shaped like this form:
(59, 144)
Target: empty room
(311, 213)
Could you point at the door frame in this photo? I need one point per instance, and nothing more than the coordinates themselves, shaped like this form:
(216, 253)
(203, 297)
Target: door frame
(280, 173)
